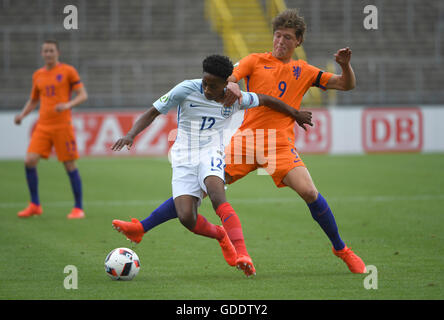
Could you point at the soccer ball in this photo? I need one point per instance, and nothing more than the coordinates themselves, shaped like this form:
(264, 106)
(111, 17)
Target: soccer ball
(122, 264)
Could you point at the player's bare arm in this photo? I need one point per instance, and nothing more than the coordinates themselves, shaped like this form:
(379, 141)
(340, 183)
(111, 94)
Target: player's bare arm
(81, 96)
(143, 122)
(301, 117)
(346, 80)
(29, 106)
(232, 92)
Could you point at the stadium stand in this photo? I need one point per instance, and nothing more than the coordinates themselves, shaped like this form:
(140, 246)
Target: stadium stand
(128, 53)
(397, 64)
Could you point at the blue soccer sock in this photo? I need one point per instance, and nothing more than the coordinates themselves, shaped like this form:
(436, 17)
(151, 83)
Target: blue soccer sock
(33, 181)
(321, 212)
(166, 211)
(76, 184)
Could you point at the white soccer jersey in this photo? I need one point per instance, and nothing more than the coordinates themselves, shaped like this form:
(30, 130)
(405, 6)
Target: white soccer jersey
(200, 122)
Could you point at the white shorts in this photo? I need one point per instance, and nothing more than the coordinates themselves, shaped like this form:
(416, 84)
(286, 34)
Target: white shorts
(189, 179)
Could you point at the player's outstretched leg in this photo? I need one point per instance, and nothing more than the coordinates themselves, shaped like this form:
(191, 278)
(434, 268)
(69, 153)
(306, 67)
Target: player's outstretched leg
(321, 212)
(353, 262)
(133, 230)
(166, 211)
(300, 180)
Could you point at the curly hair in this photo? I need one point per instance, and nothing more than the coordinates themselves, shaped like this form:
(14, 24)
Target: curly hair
(218, 65)
(290, 18)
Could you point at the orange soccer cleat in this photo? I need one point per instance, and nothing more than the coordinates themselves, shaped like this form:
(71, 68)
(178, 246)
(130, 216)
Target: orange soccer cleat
(228, 249)
(76, 213)
(31, 210)
(353, 262)
(132, 230)
(246, 264)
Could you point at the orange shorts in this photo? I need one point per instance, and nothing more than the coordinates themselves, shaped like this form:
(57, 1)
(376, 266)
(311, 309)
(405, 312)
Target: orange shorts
(276, 156)
(62, 138)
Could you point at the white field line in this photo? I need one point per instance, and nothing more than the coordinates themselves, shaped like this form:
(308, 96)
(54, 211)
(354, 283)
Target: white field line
(139, 203)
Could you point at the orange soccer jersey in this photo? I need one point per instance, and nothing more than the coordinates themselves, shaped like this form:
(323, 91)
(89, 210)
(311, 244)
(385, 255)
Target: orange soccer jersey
(52, 87)
(54, 128)
(288, 82)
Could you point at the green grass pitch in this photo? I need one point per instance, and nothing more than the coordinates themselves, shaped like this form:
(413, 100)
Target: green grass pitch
(389, 209)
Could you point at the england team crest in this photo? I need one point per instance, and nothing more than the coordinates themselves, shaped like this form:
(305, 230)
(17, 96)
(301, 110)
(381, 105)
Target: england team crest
(227, 111)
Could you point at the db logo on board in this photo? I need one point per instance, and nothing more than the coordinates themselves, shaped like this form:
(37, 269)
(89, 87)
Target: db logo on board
(316, 139)
(392, 129)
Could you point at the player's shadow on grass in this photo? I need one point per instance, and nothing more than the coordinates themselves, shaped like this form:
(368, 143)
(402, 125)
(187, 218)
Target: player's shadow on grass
(288, 275)
(212, 276)
(268, 275)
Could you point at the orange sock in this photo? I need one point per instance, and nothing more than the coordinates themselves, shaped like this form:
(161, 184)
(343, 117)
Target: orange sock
(232, 226)
(207, 229)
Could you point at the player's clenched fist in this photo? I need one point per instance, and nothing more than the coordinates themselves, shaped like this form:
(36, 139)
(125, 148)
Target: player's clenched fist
(343, 56)
(125, 141)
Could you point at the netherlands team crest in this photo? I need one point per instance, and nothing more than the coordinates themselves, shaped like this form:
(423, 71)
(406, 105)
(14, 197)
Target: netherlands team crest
(227, 111)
